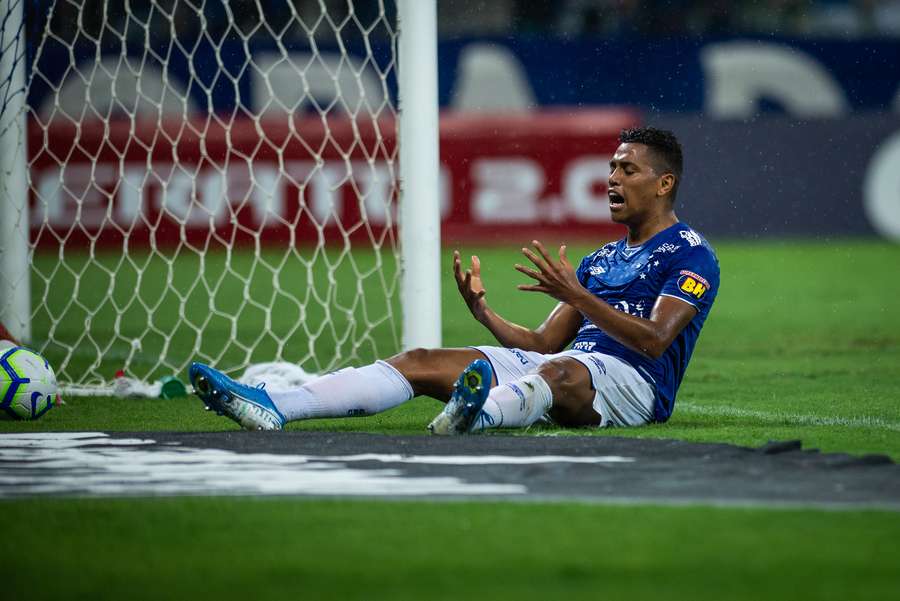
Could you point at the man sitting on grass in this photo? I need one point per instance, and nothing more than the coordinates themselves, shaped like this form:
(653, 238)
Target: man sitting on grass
(632, 312)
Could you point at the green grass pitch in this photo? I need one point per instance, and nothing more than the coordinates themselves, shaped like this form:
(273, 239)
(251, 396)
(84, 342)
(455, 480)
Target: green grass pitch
(803, 342)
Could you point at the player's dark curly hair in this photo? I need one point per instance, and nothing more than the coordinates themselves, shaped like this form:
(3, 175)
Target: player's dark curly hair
(666, 150)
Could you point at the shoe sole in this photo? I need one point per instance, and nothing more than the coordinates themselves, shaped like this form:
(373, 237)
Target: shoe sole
(204, 389)
(470, 381)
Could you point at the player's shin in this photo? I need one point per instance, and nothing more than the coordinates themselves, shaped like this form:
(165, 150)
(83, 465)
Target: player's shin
(517, 404)
(349, 392)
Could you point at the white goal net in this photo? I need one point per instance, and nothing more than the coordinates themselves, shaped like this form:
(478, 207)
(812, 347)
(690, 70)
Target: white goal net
(206, 180)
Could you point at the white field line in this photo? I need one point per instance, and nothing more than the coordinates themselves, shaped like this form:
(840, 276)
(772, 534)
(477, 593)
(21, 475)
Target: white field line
(98, 390)
(33, 465)
(778, 417)
(474, 459)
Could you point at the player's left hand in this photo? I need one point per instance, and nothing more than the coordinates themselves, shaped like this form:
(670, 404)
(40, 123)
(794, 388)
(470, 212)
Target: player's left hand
(556, 278)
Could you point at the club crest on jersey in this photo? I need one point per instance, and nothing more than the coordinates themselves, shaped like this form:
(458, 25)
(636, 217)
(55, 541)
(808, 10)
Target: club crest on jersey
(693, 284)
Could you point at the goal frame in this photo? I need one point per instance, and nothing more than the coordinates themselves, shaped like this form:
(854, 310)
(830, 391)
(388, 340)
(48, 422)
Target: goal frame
(15, 282)
(418, 136)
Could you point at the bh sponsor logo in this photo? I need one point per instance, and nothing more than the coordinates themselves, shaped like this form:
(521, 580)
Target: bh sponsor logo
(693, 284)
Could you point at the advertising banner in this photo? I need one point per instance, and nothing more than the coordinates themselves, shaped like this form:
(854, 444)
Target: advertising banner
(503, 178)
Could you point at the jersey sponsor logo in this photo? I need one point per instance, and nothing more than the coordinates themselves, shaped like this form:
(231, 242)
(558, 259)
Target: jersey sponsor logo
(636, 309)
(691, 236)
(667, 248)
(600, 365)
(584, 346)
(693, 284)
(522, 358)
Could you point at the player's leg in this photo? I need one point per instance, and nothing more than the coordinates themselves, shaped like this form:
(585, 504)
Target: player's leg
(559, 386)
(575, 389)
(371, 389)
(621, 396)
(518, 401)
(346, 393)
(433, 372)
(519, 397)
(571, 392)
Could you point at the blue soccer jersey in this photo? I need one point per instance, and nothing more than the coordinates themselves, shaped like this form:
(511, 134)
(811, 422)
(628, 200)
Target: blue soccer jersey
(676, 262)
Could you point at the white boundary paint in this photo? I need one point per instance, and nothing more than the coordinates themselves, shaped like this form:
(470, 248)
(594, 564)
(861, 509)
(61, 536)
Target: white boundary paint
(777, 417)
(477, 459)
(81, 464)
(94, 464)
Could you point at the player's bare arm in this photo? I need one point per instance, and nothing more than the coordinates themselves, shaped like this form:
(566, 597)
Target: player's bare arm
(553, 335)
(650, 337)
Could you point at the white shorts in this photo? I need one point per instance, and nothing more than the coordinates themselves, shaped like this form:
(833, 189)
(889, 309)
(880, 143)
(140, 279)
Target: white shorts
(623, 397)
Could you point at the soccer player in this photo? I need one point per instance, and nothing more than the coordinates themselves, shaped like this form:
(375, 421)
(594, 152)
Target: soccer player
(631, 311)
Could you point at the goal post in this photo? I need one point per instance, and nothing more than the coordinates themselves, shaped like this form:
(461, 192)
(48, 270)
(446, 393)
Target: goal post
(15, 284)
(420, 226)
(230, 182)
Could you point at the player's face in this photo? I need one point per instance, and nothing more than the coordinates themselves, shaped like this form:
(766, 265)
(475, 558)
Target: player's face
(633, 184)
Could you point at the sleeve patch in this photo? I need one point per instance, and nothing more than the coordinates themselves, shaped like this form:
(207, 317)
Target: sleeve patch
(693, 284)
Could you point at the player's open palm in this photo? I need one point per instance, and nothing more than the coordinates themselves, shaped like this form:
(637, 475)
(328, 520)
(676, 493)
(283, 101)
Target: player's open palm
(555, 278)
(469, 283)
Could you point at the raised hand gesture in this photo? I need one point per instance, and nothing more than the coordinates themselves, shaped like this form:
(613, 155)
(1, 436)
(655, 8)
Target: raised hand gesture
(555, 278)
(469, 283)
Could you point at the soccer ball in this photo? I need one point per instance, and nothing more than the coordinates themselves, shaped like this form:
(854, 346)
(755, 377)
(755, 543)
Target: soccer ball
(27, 384)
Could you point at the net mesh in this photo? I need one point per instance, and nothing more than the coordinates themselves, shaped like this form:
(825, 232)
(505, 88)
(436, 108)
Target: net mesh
(213, 181)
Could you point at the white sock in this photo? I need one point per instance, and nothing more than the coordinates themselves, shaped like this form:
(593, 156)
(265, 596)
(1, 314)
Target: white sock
(516, 404)
(349, 392)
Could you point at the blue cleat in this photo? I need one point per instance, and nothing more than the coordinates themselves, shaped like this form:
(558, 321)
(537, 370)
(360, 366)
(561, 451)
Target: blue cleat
(251, 407)
(463, 409)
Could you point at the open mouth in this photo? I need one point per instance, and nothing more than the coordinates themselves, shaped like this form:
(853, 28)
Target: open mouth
(616, 200)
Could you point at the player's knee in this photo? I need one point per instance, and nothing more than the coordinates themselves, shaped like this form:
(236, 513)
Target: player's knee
(414, 361)
(560, 377)
(573, 394)
(425, 370)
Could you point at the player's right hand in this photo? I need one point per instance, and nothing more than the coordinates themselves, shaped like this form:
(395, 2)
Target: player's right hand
(469, 283)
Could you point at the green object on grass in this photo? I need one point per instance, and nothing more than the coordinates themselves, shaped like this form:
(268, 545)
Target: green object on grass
(172, 388)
